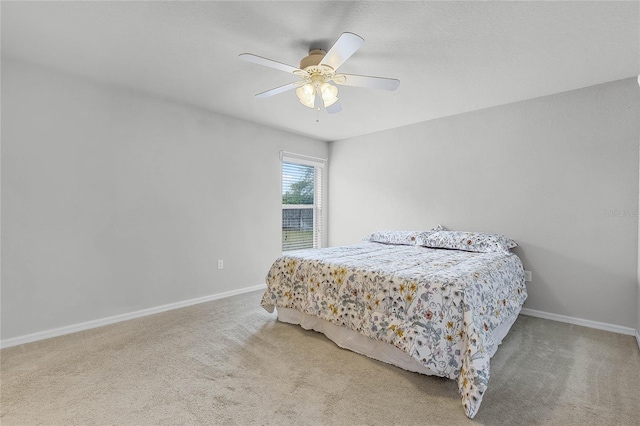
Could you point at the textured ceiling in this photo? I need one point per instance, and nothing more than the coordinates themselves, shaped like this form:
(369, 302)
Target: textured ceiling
(451, 57)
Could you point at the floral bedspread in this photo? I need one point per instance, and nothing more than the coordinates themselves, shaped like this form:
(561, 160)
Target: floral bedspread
(439, 306)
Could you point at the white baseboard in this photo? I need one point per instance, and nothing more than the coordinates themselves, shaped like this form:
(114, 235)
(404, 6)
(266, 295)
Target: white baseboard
(579, 321)
(28, 338)
(41, 335)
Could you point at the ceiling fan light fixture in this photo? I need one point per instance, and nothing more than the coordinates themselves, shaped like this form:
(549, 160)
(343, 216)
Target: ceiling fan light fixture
(329, 94)
(307, 95)
(317, 74)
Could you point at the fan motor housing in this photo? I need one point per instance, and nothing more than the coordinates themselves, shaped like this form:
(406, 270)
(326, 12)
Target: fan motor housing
(314, 58)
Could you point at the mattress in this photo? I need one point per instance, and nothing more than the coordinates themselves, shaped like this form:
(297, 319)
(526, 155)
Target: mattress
(432, 311)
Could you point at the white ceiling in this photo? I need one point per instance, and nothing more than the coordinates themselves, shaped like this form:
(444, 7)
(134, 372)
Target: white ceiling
(451, 57)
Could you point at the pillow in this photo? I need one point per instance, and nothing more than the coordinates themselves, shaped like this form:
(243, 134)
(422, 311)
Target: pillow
(408, 238)
(469, 241)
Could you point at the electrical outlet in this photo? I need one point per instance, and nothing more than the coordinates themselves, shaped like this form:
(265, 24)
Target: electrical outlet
(220, 264)
(527, 276)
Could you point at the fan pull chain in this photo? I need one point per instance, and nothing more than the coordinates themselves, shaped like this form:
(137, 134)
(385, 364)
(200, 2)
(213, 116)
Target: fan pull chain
(318, 115)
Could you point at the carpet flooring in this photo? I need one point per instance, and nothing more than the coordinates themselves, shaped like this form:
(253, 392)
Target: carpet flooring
(228, 362)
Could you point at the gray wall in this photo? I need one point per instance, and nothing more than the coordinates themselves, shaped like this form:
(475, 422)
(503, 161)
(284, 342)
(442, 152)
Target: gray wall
(559, 174)
(114, 202)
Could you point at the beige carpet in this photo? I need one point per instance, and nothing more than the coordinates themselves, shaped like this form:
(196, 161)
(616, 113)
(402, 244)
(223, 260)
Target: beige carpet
(229, 362)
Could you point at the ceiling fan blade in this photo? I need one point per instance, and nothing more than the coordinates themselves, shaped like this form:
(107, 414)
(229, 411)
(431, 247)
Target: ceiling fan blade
(367, 81)
(249, 57)
(342, 49)
(334, 108)
(279, 89)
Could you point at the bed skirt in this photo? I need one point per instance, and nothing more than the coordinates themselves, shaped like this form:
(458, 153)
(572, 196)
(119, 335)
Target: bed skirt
(376, 349)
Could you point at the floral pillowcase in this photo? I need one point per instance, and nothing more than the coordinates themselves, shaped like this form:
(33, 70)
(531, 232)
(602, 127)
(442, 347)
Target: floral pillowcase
(468, 241)
(407, 238)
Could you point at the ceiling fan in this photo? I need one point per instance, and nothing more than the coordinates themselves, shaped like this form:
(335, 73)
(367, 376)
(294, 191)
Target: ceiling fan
(317, 72)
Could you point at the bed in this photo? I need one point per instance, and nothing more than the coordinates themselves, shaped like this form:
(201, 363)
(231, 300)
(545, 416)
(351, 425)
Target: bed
(436, 302)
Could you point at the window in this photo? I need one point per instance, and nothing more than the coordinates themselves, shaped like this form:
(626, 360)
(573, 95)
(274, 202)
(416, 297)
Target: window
(301, 201)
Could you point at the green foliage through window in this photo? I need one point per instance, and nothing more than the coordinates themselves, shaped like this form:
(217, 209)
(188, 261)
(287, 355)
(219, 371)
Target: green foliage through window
(298, 183)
